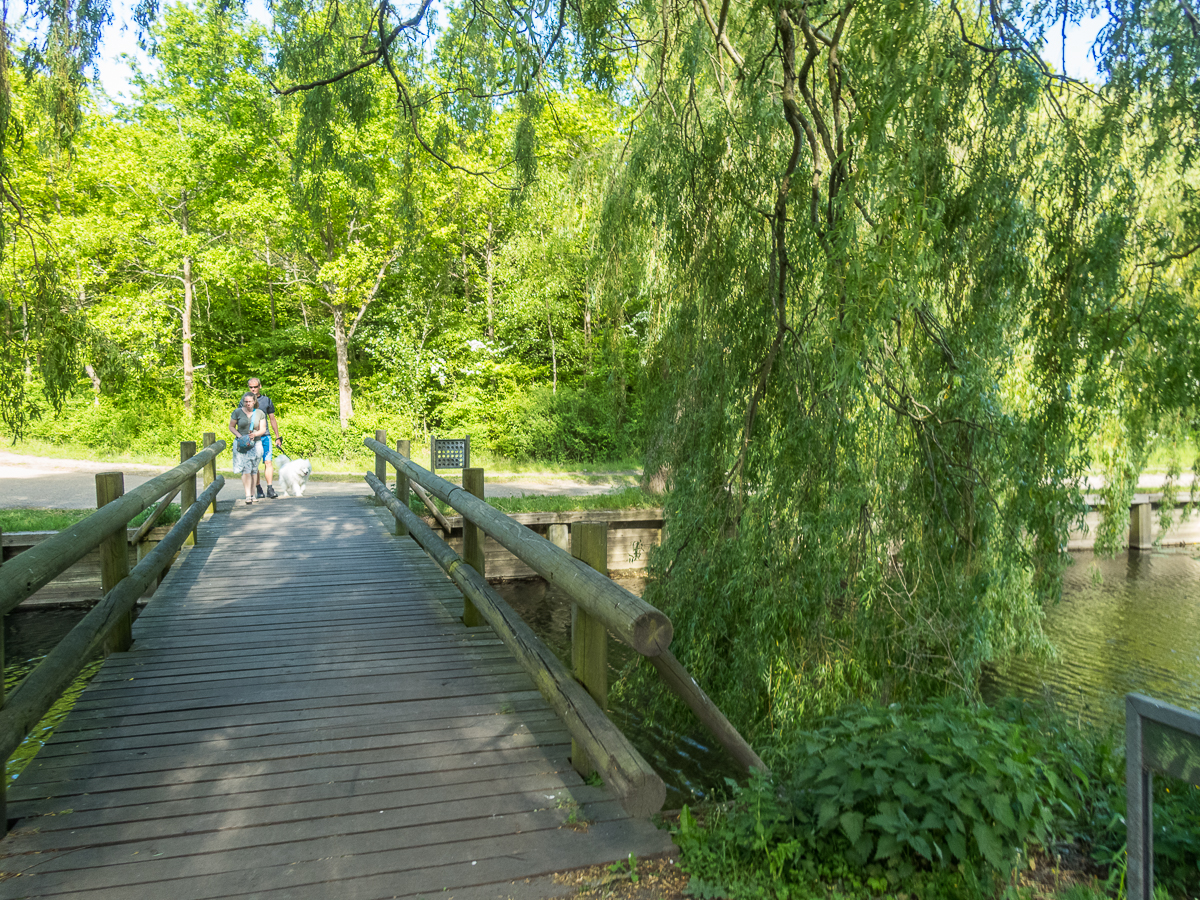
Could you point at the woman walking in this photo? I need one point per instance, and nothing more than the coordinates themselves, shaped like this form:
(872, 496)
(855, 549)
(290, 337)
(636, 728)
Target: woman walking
(247, 425)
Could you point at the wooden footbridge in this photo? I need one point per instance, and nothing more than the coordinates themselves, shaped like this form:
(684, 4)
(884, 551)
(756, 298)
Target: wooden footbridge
(307, 708)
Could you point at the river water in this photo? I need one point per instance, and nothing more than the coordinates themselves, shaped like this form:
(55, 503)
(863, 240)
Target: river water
(1131, 623)
(1127, 624)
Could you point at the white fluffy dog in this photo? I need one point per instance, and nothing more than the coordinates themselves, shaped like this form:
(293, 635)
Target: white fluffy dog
(293, 474)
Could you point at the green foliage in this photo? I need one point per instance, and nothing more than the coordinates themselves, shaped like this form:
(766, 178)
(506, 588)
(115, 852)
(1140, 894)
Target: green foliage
(537, 422)
(941, 800)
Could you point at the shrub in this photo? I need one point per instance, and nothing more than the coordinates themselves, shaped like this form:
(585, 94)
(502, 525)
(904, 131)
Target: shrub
(942, 799)
(536, 422)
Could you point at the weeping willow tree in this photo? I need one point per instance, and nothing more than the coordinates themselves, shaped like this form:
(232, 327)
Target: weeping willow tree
(903, 272)
(907, 285)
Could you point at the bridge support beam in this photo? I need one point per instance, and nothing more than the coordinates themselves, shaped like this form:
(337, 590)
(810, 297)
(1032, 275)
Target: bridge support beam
(1141, 527)
(589, 637)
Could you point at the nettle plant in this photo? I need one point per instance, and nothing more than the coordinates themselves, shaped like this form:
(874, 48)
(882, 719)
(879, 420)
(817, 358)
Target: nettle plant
(883, 793)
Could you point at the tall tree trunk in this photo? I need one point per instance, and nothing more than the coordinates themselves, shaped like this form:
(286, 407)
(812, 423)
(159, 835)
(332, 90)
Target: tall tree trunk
(91, 373)
(491, 273)
(25, 338)
(587, 321)
(466, 275)
(270, 282)
(189, 374)
(553, 354)
(342, 342)
(189, 297)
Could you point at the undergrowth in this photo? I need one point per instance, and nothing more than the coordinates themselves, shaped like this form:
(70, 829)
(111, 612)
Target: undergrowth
(940, 801)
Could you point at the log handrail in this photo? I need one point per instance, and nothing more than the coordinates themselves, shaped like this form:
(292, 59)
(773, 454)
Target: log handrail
(672, 672)
(638, 788)
(43, 686)
(629, 617)
(27, 573)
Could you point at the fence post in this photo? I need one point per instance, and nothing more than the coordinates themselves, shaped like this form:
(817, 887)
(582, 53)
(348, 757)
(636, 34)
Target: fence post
(472, 482)
(210, 470)
(380, 462)
(404, 448)
(589, 638)
(559, 535)
(114, 558)
(187, 493)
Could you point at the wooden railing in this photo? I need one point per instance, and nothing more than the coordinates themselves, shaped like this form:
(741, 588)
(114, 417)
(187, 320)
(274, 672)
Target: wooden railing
(108, 626)
(601, 607)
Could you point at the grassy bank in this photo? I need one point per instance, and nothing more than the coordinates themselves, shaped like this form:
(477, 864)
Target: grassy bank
(12, 520)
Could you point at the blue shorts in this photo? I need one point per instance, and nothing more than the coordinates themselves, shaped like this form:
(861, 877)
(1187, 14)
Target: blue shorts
(266, 448)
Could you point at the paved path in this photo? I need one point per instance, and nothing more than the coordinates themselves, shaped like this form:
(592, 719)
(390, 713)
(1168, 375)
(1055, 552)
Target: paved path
(47, 483)
(303, 715)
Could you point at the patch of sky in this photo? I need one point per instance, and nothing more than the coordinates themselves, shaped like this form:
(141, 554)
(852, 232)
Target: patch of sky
(1070, 51)
(119, 44)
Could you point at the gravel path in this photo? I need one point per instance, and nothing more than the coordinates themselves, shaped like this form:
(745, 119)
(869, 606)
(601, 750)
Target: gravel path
(45, 482)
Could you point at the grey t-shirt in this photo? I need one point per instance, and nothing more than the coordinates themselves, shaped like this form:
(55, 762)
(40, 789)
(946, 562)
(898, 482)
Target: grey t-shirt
(242, 421)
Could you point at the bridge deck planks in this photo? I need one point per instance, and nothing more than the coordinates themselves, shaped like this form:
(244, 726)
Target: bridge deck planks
(302, 716)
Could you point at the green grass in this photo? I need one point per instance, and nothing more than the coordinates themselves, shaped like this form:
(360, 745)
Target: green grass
(41, 519)
(13, 520)
(630, 498)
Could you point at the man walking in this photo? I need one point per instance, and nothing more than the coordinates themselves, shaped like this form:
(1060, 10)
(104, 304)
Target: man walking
(254, 385)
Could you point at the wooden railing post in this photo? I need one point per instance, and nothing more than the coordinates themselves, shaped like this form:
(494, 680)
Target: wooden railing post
(210, 469)
(472, 482)
(114, 558)
(380, 462)
(187, 493)
(589, 637)
(404, 448)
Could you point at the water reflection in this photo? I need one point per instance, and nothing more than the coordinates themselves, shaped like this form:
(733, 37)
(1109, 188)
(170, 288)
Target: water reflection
(1131, 623)
(31, 633)
(691, 768)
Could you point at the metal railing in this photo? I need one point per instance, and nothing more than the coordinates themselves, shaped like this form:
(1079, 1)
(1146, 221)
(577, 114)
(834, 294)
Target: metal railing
(1159, 738)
